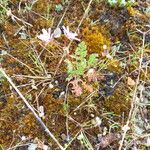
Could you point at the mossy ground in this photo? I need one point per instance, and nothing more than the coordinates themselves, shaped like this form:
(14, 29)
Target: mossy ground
(103, 25)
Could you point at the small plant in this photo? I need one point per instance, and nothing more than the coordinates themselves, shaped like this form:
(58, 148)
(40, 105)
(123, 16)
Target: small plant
(59, 8)
(29, 5)
(77, 64)
(121, 3)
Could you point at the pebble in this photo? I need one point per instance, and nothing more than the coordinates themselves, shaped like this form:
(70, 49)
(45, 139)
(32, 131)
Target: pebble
(51, 86)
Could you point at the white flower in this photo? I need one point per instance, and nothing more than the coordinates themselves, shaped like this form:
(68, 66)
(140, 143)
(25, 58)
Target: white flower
(46, 36)
(70, 35)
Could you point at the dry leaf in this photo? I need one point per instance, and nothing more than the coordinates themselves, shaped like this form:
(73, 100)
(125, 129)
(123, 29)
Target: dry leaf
(76, 89)
(108, 139)
(130, 81)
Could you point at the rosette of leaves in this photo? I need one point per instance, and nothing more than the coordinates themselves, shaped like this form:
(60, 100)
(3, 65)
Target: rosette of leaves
(79, 63)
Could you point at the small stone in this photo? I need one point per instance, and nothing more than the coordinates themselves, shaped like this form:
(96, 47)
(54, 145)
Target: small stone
(41, 111)
(99, 136)
(63, 136)
(51, 86)
(104, 46)
(90, 71)
(125, 128)
(32, 146)
(62, 94)
(75, 113)
(45, 147)
(141, 87)
(49, 75)
(105, 131)
(98, 121)
(23, 138)
(92, 115)
(56, 82)
(34, 87)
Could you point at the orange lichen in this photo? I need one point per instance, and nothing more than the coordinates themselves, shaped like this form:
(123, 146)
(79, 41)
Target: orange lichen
(95, 39)
(132, 11)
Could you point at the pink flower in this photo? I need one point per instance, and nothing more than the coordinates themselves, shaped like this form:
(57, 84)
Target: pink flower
(70, 35)
(46, 36)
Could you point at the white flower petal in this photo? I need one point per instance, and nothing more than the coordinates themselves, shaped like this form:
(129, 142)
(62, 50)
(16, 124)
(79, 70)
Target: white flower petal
(70, 35)
(44, 31)
(46, 35)
(49, 31)
(67, 28)
(43, 38)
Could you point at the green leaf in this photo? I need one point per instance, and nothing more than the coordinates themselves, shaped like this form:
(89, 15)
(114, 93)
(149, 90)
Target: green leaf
(81, 50)
(81, 66)
(92, 60)
(78, 64)
(69, 66)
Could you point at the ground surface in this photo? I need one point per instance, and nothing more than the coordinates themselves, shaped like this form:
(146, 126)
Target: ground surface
(95, 119)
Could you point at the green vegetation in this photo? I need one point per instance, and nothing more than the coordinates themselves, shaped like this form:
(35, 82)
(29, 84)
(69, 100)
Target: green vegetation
(78, 63)
(59, 8)
(121, 3)
(3, 10)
